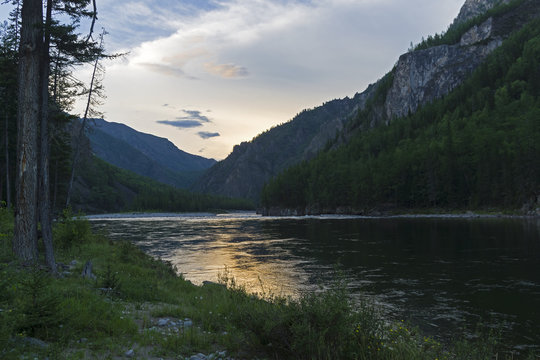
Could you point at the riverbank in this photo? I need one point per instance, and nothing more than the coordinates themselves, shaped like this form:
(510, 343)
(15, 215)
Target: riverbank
(390, 212)
(137, 307)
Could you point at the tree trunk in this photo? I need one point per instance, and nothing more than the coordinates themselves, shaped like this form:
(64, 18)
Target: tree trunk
(30, 50)
(44, 183)
(6, 150)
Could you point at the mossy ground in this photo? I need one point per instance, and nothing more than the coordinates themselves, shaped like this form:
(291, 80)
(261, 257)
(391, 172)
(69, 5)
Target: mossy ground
(69, 317)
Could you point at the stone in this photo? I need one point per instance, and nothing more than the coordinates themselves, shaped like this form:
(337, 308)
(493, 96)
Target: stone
(36, 342)
(163, 322)
(473, 8)
(130, 353)
(187, 323)
(73, 264)
(199, 356)
(477, 33)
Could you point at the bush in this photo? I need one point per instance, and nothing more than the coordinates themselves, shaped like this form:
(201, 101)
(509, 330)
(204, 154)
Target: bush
(6, 232)
(70, 230)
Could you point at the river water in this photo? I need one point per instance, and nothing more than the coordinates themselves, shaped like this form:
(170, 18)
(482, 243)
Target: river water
(443, 274)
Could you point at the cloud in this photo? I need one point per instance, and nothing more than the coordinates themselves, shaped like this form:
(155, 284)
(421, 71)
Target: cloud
(207, 135)
(194, 115)
(166, 70)
(190, 119)
(227, 71)
(182, 124)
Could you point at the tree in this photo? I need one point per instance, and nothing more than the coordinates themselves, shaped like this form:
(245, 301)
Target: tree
(28, 118)
(38, 36)
(8, 114)
(44, 188)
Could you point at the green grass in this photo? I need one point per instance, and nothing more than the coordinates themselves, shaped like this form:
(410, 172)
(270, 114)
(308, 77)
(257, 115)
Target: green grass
(103, 318)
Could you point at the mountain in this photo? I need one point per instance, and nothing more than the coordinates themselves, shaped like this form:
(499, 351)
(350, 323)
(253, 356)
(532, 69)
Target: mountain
(476, 147)
(251, 164)
(145, 154)
(432, 70)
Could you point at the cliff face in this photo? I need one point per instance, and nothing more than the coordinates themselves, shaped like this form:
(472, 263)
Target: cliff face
(473, 8)
(418, 78)
(424, 75)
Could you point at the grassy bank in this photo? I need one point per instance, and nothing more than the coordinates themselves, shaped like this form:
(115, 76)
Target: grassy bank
(137, 307)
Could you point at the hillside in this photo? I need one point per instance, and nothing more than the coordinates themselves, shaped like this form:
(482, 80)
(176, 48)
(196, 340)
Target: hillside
(104, 188)
(145, 154)
(477, 147)
(436, 67)
(251, 164)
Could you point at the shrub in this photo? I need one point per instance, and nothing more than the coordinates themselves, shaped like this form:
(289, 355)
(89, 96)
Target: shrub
(70, 230)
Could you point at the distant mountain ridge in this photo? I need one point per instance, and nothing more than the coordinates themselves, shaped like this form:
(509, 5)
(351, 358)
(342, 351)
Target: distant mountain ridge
(433, 70)
(145, 154)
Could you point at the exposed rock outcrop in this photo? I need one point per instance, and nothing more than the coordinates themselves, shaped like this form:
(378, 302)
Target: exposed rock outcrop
(425, 75)
(473, 8)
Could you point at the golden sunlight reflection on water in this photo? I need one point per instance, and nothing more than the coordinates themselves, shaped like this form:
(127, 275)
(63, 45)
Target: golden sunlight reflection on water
(225, 256)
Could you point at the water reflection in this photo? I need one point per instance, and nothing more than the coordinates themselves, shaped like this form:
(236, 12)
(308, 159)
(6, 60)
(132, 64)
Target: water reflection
(442, 273)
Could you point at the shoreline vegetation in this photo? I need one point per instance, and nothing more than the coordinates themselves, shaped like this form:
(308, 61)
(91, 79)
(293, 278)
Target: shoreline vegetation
(130, 305)
(404, 213)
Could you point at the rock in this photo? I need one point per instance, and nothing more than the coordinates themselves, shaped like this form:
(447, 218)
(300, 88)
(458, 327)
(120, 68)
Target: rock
(36, 342)
(477, 33)
(473, 8)
(163, 322)
(199, 356)
(130, 353)
(425, 75)
(187, 323)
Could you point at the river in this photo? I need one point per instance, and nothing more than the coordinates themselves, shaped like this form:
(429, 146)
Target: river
(444, 274)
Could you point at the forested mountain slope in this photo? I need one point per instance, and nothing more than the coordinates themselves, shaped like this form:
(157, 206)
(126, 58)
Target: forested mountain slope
(145, 154)
(251, 164)
(477, 147)
(436, 67)
(104, 188)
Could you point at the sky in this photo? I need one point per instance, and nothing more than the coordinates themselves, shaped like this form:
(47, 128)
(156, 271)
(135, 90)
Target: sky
(209, 74)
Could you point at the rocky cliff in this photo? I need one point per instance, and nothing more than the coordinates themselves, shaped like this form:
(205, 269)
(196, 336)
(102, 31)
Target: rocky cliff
(424, 75)
(418, 78)
(473, 8)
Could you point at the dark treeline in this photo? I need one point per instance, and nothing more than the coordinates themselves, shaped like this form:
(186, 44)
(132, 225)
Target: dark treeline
(478, 147)
(102, 187)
